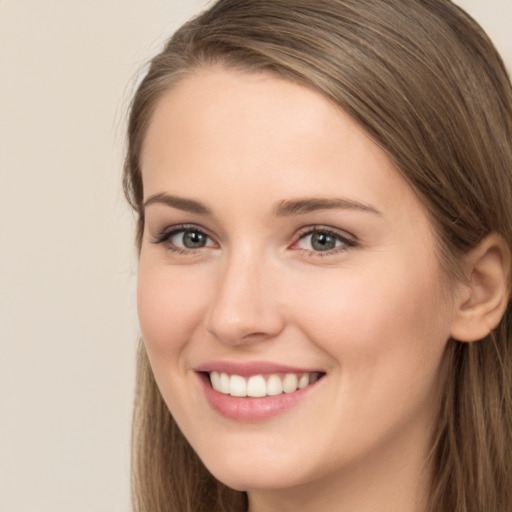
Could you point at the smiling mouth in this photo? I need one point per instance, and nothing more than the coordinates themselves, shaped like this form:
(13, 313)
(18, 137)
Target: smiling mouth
(258, 386)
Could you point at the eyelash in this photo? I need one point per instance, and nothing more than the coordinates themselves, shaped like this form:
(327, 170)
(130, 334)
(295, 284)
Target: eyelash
(167, 234)
(346, 242)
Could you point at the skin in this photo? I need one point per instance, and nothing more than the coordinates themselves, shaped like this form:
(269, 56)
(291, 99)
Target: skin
(373, 314)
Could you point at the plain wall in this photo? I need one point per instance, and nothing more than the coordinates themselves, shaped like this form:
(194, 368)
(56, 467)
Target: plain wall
(67, 265)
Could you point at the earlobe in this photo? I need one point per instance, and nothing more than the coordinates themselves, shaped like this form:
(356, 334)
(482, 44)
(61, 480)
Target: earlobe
(484, 297)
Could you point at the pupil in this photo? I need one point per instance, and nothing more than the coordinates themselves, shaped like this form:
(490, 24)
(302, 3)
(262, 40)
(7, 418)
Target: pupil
(322, 242)
(194, 240)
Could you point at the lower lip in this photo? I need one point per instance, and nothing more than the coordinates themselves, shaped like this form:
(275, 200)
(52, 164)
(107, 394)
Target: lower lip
(252, 409)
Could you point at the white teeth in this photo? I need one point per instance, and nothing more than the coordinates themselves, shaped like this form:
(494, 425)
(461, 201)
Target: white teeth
(290, 383)
(220, 382)
(303, 381)
(237, 386)
(224, 383)
(259, 386)
(274, 385)
(215, 380)
(256, 386)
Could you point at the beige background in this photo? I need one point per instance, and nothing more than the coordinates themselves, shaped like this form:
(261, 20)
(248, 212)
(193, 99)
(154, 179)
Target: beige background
(67, 270)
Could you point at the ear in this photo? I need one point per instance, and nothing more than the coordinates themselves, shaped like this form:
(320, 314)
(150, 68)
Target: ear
(484, 296)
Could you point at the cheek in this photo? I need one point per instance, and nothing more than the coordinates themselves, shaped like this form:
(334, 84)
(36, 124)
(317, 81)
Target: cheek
(380, 327)
(364, 307)
(386, 345)
(169, 308)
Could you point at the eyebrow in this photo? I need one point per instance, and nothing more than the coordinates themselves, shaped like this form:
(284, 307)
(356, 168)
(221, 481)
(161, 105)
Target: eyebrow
(302, 206)
(285, 208)
(180, 203)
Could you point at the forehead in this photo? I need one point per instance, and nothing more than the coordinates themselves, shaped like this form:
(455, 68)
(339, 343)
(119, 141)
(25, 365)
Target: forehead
(220, 98)
(218, 129)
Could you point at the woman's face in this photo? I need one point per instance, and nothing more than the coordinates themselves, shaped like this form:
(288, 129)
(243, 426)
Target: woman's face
(282, 250)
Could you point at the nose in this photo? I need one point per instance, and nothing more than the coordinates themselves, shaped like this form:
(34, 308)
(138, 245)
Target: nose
(245, 306)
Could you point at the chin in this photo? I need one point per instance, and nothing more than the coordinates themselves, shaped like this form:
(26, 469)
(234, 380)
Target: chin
(242, 479)
(244, 472)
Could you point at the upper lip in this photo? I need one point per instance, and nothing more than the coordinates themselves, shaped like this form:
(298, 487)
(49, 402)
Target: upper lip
(246, 369)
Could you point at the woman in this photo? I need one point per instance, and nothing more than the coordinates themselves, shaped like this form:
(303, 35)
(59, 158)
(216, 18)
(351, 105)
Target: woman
(324, 203)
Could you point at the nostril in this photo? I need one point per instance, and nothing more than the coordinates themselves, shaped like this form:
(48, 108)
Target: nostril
(255, 336)
(244, 331)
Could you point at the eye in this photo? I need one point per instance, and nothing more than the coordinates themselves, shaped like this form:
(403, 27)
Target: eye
(322, 240)
(184, 238)
(189, 239)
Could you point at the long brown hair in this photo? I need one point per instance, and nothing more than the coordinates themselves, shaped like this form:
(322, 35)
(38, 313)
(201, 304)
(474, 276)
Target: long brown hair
(424, 81)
